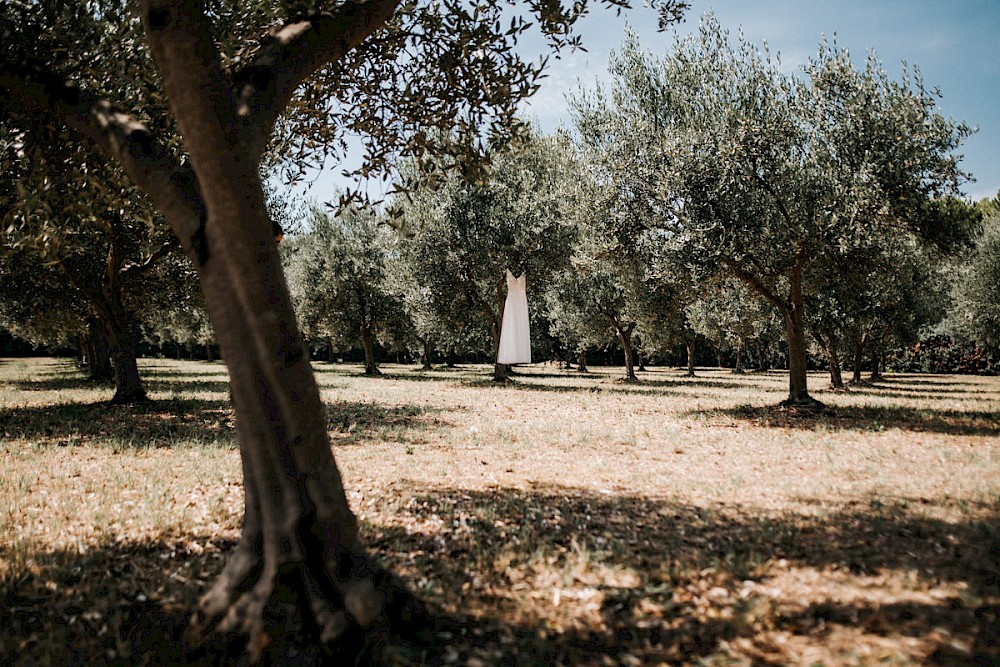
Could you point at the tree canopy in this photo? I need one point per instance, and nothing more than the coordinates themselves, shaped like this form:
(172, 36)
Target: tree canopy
(772, 174)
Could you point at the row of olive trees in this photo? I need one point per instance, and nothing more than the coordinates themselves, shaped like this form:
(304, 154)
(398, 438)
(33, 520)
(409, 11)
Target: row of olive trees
(798, 185)
(704, 180)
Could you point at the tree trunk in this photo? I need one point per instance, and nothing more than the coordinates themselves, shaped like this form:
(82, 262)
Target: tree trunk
(123, 339)
(299, 585)
(798, 392)
(299, 573)
(581, 362)
(425, 358)
(859, 358)
(878, 363)
(763, 361)
(625, 340)
(99, 367)
(501, 372)
(639, 359)
(738, 369)
(830, 345)
(689, 346)
(367, 341)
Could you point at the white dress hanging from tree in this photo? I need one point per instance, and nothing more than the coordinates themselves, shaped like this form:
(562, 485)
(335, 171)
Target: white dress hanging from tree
(515, 337)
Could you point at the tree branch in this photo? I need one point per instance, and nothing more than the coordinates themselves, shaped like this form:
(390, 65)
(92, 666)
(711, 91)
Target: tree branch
(199, 92)
(293, 52)
(755, 284)
(149, 262)
(169, 183)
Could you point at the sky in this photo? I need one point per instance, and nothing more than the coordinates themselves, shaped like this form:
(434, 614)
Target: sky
(953, 42)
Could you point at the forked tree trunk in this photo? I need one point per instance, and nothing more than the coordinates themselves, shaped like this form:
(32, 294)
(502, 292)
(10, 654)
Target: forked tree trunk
(299, 587)
(299, 583)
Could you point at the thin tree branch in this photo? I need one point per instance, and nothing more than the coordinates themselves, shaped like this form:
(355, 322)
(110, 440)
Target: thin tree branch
(293, 52)
(149, 262)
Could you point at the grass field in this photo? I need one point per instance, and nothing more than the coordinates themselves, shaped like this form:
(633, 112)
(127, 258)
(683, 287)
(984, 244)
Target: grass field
(567, 518)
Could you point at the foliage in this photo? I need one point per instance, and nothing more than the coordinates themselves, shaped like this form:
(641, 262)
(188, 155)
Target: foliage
(459, 240)
(338, 272)
(772, 174)
(977, 293)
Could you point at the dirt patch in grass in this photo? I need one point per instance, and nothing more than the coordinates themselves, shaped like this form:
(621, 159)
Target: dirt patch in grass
(579, 522)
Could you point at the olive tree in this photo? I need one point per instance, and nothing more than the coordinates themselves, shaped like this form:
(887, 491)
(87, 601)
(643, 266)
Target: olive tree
(767, 172)
(338, 274)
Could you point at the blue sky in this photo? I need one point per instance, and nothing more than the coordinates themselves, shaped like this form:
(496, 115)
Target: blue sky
(954, 42)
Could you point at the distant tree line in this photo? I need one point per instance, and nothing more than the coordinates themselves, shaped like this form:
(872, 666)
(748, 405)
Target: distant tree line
(706, 209)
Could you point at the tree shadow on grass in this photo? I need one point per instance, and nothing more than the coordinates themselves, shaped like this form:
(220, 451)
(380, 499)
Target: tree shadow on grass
(162, 423)
(643, 581)
(166, 422)
(868, 418)
(908, 391)
(186, 386)
(61, 377)
(361, 421)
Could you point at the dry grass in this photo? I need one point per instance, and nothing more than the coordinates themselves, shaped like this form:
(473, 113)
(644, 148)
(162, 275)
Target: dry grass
(564, 519)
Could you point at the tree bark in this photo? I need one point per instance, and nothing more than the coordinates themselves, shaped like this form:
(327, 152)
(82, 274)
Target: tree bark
(299, 575)
(878, 363)
(792, 309)
(124, 349)
(859, 358)
(581, 362)
(738, 369)
(624, 332)
(299, 587)
(798, 392)
(763, 361)
(425, 358)
(830, 344)
(689, 346)
(99, 367)
(501, 372)
(367, 341)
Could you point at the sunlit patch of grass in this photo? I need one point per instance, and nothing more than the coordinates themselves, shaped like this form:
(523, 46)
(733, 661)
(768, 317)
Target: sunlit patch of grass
(564, 518)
